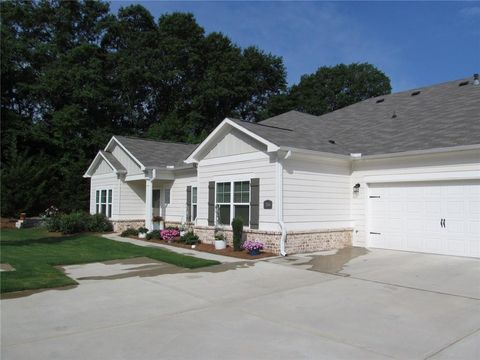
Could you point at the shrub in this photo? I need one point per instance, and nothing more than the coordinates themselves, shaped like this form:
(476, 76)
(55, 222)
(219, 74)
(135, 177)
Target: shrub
(100, 223)
(189, 238)
(129, 232)
(75, 222)
(154, 235)
(169, 234)
(237, 228)
(53, 223)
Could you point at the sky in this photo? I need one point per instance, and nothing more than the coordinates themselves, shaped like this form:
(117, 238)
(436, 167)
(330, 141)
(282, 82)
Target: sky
(414, 43)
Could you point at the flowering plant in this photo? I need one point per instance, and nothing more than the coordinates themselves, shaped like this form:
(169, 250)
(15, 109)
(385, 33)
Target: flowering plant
(252, 245)
(50, 212)
(157, 219)
(169, 234)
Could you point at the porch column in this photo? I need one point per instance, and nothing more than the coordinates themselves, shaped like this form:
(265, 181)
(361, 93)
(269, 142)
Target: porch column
(148, 204)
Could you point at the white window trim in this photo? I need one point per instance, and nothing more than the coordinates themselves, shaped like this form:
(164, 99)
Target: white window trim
(100, 188)
(193, 203)
(232, 203)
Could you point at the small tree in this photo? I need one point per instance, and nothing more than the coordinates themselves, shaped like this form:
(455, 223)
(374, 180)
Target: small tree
(237, 228)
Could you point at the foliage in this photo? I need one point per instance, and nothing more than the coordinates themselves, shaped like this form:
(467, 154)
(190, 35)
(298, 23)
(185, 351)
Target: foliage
(34, 254)
(169, 234)
(78, 222)
(219, 236)
(50, 212)
(329, 89)
(237, 228)
(252, 245)
(142, 230)
(153, 235)
(189, 238)
(73, 74)
(157, 219)
(129, 232)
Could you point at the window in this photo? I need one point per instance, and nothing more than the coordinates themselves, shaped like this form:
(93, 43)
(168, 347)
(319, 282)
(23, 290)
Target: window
(167, 196)
(223, 203)
(103, 202)
(194, 203)
(232, 204)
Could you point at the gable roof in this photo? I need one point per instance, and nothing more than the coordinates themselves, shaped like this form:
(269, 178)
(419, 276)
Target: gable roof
(116, 166)
(156, 154)
(439, 116)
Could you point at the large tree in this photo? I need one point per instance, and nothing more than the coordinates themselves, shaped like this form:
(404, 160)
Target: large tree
(329, 89)
(73, 74)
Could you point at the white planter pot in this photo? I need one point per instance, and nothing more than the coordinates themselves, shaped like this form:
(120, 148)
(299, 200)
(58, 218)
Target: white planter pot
(156, 226)
(220, 244)
(142, 235)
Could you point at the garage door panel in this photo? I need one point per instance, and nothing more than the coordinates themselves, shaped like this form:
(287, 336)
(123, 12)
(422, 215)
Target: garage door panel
(408, 216)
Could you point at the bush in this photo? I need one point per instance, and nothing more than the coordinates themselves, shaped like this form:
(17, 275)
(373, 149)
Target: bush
(154, 235)
(237, 228)
(129, 232)
(189, 238)
(169, 234)
(100, 223)
(53, 223)
(142, 230)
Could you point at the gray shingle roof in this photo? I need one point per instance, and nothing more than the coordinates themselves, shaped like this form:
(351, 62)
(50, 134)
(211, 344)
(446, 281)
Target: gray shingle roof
(442, 115)
(113, 160)
(157, 154)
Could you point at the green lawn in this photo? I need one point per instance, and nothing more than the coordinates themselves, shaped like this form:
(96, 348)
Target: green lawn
(34, 252)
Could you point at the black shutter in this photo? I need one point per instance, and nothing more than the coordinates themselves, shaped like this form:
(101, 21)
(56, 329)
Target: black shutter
(211, 203)
(254, 202)
(189, 203)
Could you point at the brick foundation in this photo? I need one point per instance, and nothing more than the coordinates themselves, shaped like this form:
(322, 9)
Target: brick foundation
(297, 241)
(121, 225)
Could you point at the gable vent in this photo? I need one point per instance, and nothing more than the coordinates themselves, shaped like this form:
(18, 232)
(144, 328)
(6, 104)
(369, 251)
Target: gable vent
(415, 93)
(463, 83)
(380, 100)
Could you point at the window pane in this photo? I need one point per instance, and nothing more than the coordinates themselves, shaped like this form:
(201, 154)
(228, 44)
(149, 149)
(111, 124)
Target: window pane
(223, 193)
(224, 214)
(110, 196)
(242, 192)
(110, 210)
(243, 211)
(104, 209)
(194, 212)
(167, 196)
(245, 197)
(98, 196)
(96, 209)
(194, 195)
(104, 196)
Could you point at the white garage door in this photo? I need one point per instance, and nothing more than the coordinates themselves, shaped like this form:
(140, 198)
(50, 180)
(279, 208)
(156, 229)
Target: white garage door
(441, 217)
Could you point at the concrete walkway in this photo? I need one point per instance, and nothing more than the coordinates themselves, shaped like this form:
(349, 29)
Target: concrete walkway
(364, 305)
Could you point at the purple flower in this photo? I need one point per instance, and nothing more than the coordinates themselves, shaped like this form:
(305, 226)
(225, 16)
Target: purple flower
(251, 245)
(169, 234)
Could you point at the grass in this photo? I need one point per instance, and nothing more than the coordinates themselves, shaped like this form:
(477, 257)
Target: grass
(34, 253)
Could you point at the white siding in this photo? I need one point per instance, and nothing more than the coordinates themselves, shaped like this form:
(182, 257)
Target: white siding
(316, 194)
(132, 200)
(454, 165)
(102, 168)
(100, 182)
(132, 167)
(231, 168)
(176, 210)
(233, 143)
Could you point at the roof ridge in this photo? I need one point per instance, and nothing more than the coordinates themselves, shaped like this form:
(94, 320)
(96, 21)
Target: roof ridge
(152, 140)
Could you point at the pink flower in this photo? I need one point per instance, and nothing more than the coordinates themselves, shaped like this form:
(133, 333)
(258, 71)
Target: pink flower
(251, 245)
(169, 234)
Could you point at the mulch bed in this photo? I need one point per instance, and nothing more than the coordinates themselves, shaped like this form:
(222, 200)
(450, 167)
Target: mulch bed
(210, 248)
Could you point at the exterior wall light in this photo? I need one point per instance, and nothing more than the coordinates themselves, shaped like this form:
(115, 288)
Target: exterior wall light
(356, 188)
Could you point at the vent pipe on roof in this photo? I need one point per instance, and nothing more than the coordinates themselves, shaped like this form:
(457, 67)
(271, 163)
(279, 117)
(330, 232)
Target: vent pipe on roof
(476, 80)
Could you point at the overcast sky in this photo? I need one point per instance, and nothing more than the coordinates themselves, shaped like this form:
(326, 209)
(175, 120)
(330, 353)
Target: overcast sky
(414, 43)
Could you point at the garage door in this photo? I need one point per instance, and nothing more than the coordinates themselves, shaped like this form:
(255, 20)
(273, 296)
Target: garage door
(433, 217)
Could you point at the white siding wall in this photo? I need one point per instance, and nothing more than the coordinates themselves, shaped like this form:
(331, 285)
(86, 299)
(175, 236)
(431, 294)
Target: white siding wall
(102, 168)
(316, 194)
(132, 167)
(231, 168)
(449, 166)
(233, 143)
(176, 210)
(132, 200)
(105, 181)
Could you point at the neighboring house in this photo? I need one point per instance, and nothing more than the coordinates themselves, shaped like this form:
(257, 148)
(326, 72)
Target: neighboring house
(399, 171)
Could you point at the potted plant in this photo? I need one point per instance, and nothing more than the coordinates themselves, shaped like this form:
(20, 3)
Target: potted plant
(169, 234)
(158, 223)
(220, 242)
(183, 230)
(142, 232)
(253, 247)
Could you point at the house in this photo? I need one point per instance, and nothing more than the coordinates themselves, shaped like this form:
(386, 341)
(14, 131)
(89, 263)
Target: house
(399, 171)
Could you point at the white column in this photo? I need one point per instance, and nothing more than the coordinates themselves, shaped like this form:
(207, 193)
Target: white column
(148, 204)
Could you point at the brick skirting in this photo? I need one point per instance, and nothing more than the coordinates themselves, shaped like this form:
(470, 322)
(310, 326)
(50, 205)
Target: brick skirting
(297, 241)
(121, 225)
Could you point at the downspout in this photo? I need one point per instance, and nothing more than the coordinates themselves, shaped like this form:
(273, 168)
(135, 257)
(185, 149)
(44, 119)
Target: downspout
(279, 193)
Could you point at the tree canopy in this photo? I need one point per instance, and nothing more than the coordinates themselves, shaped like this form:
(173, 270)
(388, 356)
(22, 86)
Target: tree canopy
(73, 74)
(329, 89)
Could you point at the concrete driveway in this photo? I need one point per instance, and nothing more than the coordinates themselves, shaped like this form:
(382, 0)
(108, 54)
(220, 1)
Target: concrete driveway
(353, 304)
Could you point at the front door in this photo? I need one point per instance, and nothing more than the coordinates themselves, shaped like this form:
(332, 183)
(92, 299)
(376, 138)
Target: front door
(156, 202)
